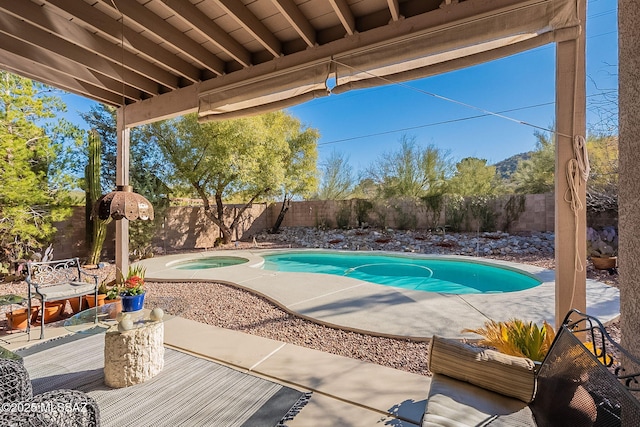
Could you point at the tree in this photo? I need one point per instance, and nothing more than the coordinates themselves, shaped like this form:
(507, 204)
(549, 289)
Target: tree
(34, 187)
(536, 175)
(336, 178)
(603, 159)
(473, 177)
(147, 172)
(220, 159)
(411, 171)
(300, 177)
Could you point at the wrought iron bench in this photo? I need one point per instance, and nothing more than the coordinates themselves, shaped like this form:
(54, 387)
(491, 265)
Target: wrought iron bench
(18, 406)
(57, 280)
(573, 386)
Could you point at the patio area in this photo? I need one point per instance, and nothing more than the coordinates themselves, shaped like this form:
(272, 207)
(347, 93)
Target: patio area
(346, 392)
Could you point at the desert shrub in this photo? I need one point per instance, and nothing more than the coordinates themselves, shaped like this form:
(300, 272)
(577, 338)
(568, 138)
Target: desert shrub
(343, 216)
(363, 207)
(517, 338)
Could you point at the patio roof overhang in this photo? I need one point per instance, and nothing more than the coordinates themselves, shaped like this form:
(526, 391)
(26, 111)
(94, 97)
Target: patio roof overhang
(228, 58)
(225, 58)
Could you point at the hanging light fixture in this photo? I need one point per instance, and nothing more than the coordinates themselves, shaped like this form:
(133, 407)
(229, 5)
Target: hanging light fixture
(122, 203)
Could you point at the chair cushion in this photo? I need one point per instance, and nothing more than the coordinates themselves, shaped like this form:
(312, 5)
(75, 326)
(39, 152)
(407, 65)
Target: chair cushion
(65, 290)
(454, 403)
(508, 375)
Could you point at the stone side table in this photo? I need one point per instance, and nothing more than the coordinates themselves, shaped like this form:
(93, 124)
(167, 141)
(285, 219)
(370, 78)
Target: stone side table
(133, 356)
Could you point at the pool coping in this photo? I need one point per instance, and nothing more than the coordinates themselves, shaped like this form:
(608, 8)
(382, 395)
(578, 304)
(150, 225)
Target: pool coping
(359, 306)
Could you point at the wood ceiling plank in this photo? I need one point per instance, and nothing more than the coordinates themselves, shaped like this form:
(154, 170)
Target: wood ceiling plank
(297, 20)
(341, 8)
(394, 8)
(35, 36)
(252, 25)
(111, 29)
(50, 61)
(134, 11)
(30, 69)
(216, 35)
(72, 33)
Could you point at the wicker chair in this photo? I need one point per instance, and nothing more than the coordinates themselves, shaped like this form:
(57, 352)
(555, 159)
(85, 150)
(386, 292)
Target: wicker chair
(18, 406)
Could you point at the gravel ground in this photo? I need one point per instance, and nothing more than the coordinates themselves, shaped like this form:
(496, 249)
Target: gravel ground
(228, 307)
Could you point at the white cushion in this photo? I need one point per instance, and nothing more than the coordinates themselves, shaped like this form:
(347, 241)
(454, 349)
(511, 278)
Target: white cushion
(454, 403)
(65, 290)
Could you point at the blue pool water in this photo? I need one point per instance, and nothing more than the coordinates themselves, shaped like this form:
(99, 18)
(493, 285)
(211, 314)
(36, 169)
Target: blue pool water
(449, 276)
(209, 262)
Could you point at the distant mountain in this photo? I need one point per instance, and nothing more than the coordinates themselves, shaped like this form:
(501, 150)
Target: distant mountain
(507, 167)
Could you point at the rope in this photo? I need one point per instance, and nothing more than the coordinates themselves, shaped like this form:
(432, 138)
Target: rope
(582, 157)
(578, 170)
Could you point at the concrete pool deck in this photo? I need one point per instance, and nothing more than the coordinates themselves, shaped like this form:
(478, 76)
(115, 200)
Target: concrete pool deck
(361, 306)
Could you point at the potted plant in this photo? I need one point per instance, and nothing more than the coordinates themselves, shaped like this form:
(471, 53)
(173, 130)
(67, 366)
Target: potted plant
(17, 319)
(602, 246)
(102, 296)
(132, 291)
(112, 296)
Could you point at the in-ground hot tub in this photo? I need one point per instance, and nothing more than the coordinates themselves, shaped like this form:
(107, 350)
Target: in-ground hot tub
(208, 262)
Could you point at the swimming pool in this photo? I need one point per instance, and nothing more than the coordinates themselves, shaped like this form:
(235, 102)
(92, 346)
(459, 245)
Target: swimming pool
(442, 275)
(208, 262)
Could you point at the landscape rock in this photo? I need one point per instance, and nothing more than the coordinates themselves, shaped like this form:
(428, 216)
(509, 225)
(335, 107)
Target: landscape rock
(473, 244)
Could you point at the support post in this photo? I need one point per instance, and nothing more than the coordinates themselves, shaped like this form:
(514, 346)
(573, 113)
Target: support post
(122, 178)
(570, 225)
(629, 175)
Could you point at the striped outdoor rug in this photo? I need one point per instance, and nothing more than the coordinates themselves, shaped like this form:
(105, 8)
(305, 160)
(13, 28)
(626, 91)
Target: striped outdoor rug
(190, 391)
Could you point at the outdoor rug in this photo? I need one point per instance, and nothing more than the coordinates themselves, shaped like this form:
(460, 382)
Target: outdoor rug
(190, 391)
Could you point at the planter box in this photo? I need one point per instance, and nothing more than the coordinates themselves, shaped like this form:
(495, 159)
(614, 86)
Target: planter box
(604, 263)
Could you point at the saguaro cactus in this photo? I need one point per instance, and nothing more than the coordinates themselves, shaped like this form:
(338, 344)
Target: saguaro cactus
(97, 230)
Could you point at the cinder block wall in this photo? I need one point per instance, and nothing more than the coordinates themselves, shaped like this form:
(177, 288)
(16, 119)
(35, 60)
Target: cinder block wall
(188, 227)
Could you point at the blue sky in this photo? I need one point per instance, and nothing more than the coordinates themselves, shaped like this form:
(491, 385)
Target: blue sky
(366, 124)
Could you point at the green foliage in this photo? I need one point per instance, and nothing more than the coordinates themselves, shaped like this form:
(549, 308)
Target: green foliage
(363, 208)
(148, 173)
(34, 186)
(404, 219)
(517, 338)
(336, 178)
(482, 208)
(300, 159)
(603, 159)
(536, 175)
(97, 226)
(433, 204)
(411, 171)
(473, 177)
(343, 216)
(455, 212)
(365, 189)
(300, 176)
(246, 158)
